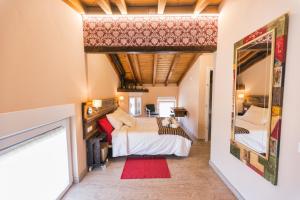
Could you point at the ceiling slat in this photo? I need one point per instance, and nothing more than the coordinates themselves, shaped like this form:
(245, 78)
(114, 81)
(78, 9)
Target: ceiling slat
(154, 69)
(161, 6)
(200, 6)
(76, 5)
(136, 65)
(121, 4)
(130, 67)
(174, 62)
(105, 6)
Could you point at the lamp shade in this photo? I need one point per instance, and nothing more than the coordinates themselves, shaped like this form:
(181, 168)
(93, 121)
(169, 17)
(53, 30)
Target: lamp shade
(121, 98)
(97, 103)
(241, 96)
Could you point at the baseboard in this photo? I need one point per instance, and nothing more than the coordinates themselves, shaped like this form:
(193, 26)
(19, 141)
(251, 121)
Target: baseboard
(226, 182)
(81, 176)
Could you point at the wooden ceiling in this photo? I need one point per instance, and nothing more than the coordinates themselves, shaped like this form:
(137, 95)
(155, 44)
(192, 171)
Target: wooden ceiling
(150, 68)
(144, 6)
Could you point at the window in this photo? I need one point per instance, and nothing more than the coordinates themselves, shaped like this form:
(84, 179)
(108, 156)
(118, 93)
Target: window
(164, 105)
(135, 106)
(38, 167)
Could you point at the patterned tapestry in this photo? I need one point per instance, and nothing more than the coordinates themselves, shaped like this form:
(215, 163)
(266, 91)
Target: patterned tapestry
(150, 33)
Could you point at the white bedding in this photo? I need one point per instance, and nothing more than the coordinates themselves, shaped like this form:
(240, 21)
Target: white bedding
(143, 139)
(256, 139)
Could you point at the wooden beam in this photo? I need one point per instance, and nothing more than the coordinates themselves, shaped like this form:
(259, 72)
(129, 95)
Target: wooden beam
(161, 6)
(121, 4)
(174, 63)
(155, 61)
(76, 5)
(130, 67)
(115, 62)
(135, 61)
(105, 6)
(200, 6)
(249, 62)
(195, 58)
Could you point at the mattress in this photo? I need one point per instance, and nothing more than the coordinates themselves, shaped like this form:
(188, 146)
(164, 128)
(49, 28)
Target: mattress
(257, 137)
(143, 139)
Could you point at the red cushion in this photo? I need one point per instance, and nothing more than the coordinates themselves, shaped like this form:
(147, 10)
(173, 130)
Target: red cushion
(105, 125)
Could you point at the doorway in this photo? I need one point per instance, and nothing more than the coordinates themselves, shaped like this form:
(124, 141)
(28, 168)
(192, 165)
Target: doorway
(208, 104)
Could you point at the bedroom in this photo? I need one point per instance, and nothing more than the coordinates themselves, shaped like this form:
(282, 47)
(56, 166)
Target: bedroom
(46, 75)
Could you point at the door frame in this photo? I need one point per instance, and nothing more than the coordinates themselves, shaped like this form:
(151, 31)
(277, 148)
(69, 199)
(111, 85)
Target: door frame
(207, 98)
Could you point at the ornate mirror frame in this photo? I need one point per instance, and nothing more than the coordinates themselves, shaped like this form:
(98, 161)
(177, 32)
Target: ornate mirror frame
(266, 166)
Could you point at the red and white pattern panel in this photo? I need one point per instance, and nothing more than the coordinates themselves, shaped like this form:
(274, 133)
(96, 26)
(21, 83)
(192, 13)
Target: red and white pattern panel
(144, 33)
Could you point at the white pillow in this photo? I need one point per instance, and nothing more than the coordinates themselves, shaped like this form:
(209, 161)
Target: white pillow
(256, 115)
(114, 121)
(125, 117)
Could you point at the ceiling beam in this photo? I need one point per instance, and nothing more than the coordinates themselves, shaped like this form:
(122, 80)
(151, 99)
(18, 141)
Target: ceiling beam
(155, 61)
(251, 61)
(135, 61)
(200, 6)
(130, 67)
(105, 6)
(76, 5)
(115, 62)
(192, 62)
(121, 4)
(174, 63)
(161, 6)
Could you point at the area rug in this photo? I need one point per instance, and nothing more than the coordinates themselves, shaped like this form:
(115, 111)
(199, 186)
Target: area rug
(146, 167)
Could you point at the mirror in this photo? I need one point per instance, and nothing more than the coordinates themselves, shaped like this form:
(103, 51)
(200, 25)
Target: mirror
(253, 93)
(258, 83)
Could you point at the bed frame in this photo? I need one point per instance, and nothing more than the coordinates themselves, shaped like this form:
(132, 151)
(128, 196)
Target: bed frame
(256, 100)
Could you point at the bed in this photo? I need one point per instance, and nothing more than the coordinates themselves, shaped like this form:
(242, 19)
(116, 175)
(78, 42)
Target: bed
(251, 129)
(133, 136)
(257, 137)
(144, 139)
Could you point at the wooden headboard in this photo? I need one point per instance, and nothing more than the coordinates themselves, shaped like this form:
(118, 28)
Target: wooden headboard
(90, 122)
(256, 100)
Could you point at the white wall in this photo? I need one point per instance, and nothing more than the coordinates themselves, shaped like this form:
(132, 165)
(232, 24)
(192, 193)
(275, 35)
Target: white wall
(192, 95)
(42, 63)
(102, 79)
(42, 60)
(257, 78)
(246, 16)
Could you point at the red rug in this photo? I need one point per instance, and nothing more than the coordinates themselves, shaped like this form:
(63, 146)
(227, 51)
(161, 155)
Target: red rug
(145, 167)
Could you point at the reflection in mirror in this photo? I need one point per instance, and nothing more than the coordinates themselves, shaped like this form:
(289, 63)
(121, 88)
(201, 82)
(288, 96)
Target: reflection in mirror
(253, 93)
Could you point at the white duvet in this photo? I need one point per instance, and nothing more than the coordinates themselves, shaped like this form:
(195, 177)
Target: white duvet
(143, 139)
(256, 139)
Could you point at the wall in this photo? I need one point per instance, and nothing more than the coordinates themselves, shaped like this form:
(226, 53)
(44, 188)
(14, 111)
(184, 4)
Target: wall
(246, 16)
(102, 79)
(43, 63)
(192, 95)
(257, 78)
(150, 97)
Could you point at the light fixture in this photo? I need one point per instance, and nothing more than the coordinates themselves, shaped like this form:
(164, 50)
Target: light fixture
(121, 98)
(97, 103)
(241, 96)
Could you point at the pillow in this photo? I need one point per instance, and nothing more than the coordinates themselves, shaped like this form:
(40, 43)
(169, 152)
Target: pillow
(115, 122)
(125, 117)
(105, 126)
(256, 115)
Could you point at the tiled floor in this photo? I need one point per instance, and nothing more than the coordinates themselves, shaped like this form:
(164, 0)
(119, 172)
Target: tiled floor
(192, 178)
